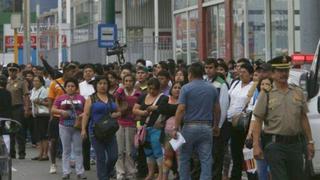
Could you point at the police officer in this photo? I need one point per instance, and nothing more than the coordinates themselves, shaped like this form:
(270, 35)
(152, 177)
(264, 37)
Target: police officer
(18, 88)
(286, 126)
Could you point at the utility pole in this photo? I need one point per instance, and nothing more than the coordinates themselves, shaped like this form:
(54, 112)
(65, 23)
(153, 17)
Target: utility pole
(156, 30)
(109, 17)
(110, 11)
(26, 31)
(68, 38)
(59, 32)
(38, 32)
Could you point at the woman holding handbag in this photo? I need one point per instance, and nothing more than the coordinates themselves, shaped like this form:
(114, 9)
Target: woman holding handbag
(70, 107)
(147, 108)
(40, 113)
(238, 102)
(97, 106)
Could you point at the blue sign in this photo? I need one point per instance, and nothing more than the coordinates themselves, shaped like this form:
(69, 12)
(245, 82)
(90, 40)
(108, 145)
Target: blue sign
(107, 35)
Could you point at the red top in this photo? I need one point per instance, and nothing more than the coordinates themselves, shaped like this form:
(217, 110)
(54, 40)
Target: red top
(128, 119)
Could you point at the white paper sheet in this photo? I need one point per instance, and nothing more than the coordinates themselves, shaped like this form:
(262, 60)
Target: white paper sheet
(177, 143)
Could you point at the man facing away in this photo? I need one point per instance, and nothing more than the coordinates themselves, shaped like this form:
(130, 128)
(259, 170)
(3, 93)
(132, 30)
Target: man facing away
(199, 110)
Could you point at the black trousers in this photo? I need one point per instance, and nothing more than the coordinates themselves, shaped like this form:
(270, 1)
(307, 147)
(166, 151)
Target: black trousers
(285, 160)
(20, 135)
(220, 145)
(238, 138)
(86, 153)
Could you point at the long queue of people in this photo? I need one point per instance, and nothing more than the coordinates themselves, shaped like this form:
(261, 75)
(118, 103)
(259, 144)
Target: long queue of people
(201, 101)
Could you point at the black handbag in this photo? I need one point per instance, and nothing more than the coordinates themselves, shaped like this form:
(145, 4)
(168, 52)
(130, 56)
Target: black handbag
(105, 128)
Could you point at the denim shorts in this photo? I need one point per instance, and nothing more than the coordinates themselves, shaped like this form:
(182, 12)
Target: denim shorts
(152, 147)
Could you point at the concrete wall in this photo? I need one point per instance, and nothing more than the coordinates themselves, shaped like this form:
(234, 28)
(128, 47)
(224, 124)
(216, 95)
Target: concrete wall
(310, 25)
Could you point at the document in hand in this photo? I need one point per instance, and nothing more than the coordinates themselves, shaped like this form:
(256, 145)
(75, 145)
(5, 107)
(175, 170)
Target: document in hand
(177, 143)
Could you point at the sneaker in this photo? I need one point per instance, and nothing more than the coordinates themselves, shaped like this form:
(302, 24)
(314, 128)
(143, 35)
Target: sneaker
(66, 176)
(53, 169)
(81, 176)
(120, 177)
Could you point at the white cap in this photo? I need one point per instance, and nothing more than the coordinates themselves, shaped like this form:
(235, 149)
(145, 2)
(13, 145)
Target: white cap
(149, 63)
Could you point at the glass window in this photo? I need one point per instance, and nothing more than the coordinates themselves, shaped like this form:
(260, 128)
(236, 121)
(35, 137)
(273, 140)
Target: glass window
(181, 36)
(279, 27)
(256, 29)
(212, 45)
(221, 31)
(192, 2)
(180, 4)
(194, 35)
(216, 31)
(238, 29)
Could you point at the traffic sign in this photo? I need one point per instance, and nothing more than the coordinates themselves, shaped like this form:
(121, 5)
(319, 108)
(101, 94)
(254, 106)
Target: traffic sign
(107, 35)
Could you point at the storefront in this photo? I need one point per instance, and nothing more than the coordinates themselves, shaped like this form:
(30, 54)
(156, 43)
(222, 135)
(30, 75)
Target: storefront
(233, 29)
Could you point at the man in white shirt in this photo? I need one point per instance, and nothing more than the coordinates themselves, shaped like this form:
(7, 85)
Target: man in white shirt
(86, 89)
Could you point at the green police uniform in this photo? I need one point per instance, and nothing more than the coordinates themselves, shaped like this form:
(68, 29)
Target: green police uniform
(282, 139)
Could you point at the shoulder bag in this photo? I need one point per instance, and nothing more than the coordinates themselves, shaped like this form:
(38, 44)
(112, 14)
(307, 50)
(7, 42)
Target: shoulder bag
(40, 110)
(140, 136)
(241, 120)
(106, 127)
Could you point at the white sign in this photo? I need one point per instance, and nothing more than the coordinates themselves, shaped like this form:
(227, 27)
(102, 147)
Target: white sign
(15, 20)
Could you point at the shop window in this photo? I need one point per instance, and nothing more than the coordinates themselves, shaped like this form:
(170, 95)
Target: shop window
(181, 36)
(194, 35)
(180, 4)
(256, 29)
(216, 31)
(212, 40)
(279, 27)
(238, 29)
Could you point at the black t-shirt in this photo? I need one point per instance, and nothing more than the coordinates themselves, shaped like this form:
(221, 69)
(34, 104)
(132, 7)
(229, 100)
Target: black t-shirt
(163, 101)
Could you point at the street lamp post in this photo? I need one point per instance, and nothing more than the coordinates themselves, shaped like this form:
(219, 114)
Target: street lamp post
(26, 31)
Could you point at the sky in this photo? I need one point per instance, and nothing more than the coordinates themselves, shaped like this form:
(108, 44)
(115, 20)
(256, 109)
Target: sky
(45, 5)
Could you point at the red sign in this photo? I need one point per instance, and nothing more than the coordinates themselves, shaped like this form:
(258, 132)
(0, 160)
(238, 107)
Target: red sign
(302, 58)
(64, 40)
(10, 41)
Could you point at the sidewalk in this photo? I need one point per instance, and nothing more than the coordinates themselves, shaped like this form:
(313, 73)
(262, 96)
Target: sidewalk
(39, 170)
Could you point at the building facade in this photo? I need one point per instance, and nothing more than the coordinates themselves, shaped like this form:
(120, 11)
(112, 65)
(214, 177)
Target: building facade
(255, 29)
(194, 30)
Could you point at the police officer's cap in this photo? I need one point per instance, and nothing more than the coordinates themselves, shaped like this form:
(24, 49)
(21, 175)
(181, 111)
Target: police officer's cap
(264, 67)
(280, 62)
(13, 65)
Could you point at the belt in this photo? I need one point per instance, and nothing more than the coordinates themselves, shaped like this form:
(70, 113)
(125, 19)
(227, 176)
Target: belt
(198, 122)
(284, 139)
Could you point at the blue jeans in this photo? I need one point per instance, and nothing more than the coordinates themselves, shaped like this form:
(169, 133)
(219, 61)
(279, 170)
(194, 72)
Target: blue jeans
(107, 156)
(199, 139)
(262, 167)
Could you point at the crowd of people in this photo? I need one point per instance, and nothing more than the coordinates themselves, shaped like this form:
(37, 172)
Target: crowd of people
(202, 101)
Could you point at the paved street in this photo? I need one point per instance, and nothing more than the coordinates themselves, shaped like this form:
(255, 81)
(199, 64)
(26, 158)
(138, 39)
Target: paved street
(39, 170)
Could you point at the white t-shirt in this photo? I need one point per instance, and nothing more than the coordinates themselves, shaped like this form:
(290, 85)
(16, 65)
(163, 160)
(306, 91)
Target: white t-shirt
(238, 98)
(41, 93)
(86, 89)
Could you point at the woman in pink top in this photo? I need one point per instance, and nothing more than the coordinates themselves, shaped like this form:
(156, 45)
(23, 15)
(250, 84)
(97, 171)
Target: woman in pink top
(126, 97)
